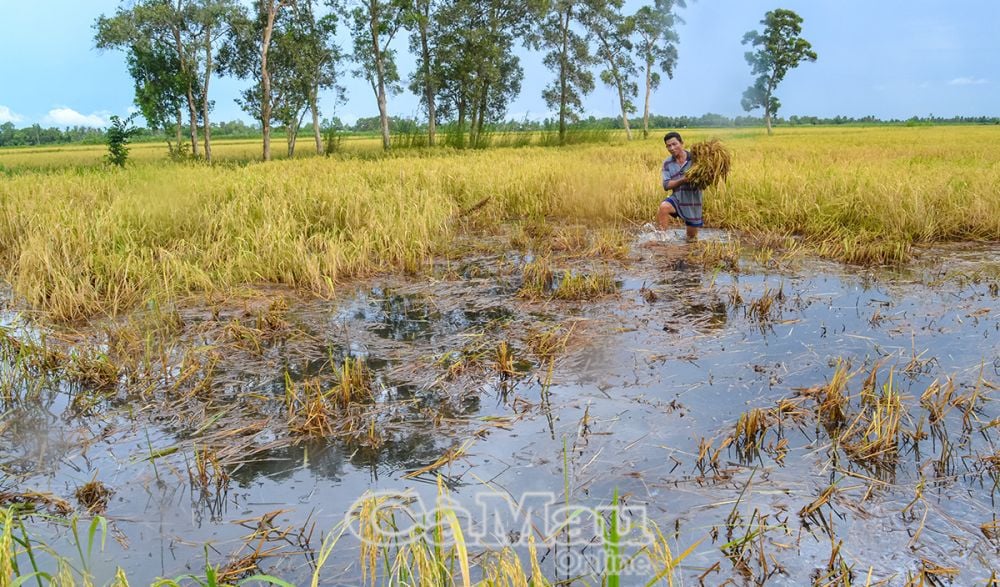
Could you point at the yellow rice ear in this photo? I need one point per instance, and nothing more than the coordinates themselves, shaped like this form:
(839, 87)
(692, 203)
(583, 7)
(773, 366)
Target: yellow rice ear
(711, 162)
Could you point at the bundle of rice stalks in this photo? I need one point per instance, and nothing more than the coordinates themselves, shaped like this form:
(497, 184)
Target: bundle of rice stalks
(710, 164)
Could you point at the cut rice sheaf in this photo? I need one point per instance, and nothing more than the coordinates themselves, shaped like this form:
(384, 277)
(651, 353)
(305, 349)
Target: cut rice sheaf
(710, 165)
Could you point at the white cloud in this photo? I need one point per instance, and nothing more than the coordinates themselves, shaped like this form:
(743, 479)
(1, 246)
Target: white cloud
(7, 115)
(967, 81)
(70, 117)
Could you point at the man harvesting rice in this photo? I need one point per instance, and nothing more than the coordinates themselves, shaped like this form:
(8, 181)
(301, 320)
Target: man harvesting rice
(685, 201)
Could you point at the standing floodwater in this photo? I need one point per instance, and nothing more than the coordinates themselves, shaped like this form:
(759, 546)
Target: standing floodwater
(796, 421)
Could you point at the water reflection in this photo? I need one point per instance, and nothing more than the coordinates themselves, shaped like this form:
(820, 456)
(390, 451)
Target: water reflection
(412, 317)
(683, 289)
(402, 449)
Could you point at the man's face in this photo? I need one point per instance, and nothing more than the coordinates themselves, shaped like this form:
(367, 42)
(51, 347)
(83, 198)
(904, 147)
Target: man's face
(675, 147)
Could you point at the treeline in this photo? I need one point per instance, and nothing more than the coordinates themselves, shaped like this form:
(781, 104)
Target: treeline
(10, 136)
(467, 71)
(721, 121)
(35, 135)
(709, 120)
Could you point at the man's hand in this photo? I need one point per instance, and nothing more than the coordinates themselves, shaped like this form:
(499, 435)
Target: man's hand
(673, 183)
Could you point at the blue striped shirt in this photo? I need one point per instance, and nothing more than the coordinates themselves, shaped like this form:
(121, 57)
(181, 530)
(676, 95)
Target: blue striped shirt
(686, 198)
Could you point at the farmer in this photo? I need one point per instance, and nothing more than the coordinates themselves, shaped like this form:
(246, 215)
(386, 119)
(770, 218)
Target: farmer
(685, 201)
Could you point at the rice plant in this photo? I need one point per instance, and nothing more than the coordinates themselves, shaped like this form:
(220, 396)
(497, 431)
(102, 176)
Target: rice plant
(77, 242)
(355, 382)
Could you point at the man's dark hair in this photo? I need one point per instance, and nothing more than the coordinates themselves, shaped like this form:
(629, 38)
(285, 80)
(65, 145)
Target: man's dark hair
(672, 135)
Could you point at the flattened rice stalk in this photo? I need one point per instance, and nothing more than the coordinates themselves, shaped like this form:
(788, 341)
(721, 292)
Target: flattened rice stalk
(710, 164)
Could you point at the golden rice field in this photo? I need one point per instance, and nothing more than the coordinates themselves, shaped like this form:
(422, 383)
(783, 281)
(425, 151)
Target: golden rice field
(225, 150)
(78, 238)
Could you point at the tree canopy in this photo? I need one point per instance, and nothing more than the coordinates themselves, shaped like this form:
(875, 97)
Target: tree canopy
(779, 48)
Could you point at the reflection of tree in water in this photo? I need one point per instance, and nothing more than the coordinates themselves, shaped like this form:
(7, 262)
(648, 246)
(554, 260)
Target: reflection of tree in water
(325, 459)
(410, 317)
(685, 293)
(410, 450)
(33, 441)
(418, 402)
(40, 430)
(399, 317)
(409, 426)
(711, 315)
(407, 449)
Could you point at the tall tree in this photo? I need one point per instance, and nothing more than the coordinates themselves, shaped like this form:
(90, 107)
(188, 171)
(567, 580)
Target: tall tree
(267, 11)
(211, 22)
(159, 88)
(374, 24)
(319, 61)
(656, 45)
(162, 53)
(272, 47)
(169, 46)
(569, 57)
(422, 17)
(779, 48)
(288, 65)
(303, 60)
(478, 73)
(613, 31)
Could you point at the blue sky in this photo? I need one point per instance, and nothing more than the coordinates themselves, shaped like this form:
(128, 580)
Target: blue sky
(889, 58)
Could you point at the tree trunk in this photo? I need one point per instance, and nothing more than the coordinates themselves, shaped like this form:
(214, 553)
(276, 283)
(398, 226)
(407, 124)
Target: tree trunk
(314, 107)
(563, 59)
(767, 105)
(621, 101)
(265, 80)
(292, 129)
(428, 80)
(431, 122)
(483, 97)
(204, 95)
(645, 109)
(204, 98)
(192, 107)
(193, 112)
(383, 110)
(461, 122)
(474, 124)
(177, 129)
(383, 114)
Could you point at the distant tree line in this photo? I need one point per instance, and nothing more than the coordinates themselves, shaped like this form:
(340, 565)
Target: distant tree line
(720, 121)
(11, 136)
(656, 121)
(35, 135)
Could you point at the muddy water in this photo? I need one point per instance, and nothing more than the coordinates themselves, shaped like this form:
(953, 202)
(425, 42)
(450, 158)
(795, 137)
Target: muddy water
(646, 377)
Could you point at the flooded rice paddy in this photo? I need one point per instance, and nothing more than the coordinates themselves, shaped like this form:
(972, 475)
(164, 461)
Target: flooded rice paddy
(795, 422)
